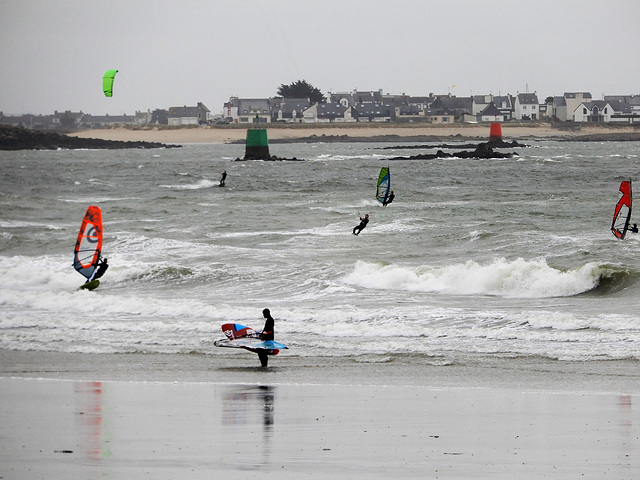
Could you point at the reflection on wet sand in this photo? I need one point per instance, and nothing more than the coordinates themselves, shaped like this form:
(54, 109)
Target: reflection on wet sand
(90, 420)
(243, 407)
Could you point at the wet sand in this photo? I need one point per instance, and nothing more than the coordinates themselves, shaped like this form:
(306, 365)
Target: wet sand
(226, 418)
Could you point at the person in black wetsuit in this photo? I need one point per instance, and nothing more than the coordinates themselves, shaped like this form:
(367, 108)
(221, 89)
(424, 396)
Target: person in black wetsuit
(634, 228)
(103, 264)
(388, 199)
(266, 334)
(223, 178)
(362, 225)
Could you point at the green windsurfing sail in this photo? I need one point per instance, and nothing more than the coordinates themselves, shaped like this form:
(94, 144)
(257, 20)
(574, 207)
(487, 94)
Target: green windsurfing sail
(107, 82)
(384, 184)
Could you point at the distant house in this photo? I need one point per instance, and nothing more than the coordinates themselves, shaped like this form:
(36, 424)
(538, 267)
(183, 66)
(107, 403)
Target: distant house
(289, 110)
(505, 105)
(626, 108)
(526, 107)
(440, 116)
(372, 112)
(198, 115)
(479, 103)
(406, 108)
(368, 97)
(67, 119)
(36, 122)
(492, 114)
(247, 110)
(448, 104)
(596, 111)
(355, 98)
(562, 108)
(328, 113)
(408, 113)
(97, 121)
(422, 103)
(501, 102)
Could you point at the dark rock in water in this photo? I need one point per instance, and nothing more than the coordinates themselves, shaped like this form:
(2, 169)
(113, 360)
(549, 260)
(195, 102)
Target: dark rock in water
(491, 143)
(271, 158)
(16, 138)
(502, 144)
(483, 150)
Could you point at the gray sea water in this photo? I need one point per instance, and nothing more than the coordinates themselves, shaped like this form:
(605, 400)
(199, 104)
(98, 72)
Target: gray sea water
(475, 261)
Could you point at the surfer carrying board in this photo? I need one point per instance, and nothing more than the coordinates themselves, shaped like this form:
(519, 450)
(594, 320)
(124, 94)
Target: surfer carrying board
(267, 331)
(266, 334)
(388, 199)
(361, 226)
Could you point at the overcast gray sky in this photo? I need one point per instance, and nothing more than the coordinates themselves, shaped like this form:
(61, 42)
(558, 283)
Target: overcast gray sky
(53, 53)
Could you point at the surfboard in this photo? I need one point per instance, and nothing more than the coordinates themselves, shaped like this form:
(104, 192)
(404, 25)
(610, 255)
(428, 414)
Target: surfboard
(86, 253)
(252, 344)
(92, 285)
(622, 212)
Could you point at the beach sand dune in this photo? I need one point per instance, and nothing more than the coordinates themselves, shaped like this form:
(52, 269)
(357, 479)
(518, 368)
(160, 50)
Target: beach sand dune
(227, 134)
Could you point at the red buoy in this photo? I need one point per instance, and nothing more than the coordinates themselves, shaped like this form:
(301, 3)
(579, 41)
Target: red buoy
(495, 134)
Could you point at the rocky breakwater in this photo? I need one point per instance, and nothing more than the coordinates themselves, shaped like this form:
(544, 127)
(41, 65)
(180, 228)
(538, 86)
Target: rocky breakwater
(16, 138)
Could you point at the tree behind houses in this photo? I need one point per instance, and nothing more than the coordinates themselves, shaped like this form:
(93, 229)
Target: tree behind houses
(301, 89)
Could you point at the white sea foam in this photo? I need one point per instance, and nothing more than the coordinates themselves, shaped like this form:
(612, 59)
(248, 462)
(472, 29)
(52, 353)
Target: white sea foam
(518, 278)
(201, 184)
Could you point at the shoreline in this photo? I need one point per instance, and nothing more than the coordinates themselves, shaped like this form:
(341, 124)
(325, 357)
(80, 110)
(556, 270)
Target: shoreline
(278, 133)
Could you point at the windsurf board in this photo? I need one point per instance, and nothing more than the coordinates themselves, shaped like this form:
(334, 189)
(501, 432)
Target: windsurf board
(92, 285)
(239, 336)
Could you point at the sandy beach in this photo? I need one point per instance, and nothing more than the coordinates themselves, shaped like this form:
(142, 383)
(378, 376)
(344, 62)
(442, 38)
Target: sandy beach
(228, 418)
(227, 134)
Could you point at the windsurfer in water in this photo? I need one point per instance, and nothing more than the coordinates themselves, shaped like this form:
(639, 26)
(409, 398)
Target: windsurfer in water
(634, 228)
(266, 334)
(388, 199)
(102, 264)
(223, 178)
(361, 226)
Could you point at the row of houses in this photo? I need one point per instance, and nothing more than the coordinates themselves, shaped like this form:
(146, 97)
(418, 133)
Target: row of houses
(368, 106)
(198, 115)
(444, 109)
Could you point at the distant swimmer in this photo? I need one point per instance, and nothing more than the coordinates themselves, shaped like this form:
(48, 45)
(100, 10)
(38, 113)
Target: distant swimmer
(223, 178)
(102, 264)
(361, 226)
(634, 228)
(266, 334)
(388, 199)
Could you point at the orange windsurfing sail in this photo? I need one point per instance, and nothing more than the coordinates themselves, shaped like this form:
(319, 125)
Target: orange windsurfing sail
(89, 242)
(622, 213)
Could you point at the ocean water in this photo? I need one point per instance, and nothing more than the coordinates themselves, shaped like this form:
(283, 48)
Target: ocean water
(475, 261)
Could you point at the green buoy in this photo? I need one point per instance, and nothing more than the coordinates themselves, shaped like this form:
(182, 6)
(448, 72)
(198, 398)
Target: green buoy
(257, 145)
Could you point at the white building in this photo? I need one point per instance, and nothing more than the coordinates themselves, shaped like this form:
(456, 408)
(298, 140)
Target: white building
(597, 111)
(526, 107)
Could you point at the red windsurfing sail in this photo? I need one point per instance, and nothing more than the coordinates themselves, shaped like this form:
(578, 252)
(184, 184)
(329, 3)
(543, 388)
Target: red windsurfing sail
(89, 242)
(235, 330)
(622, 213)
